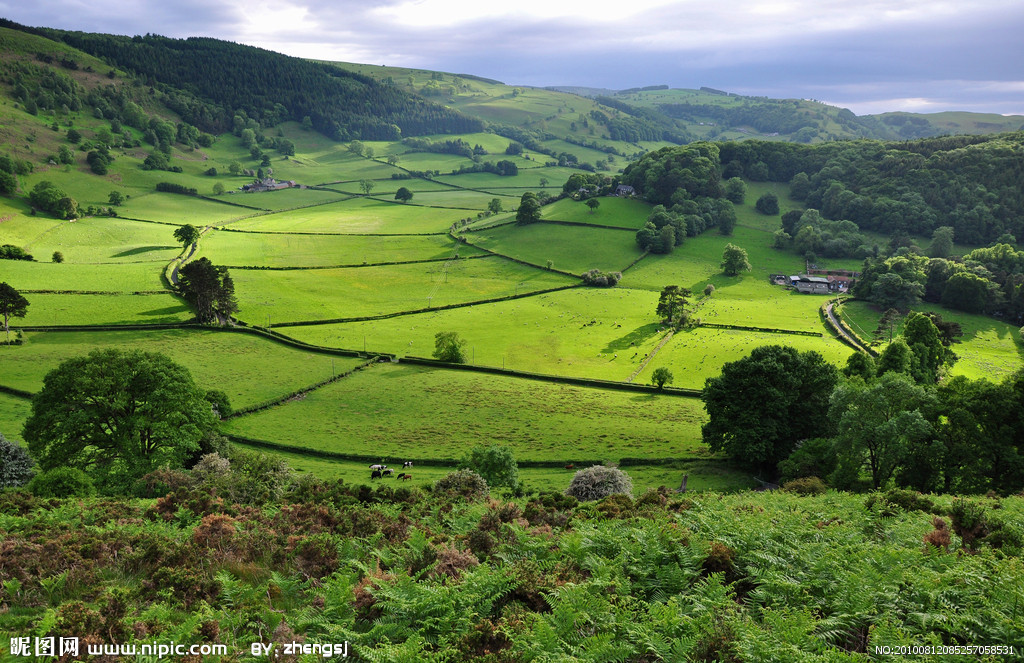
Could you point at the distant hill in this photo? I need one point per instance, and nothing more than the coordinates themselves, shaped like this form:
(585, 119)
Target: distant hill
(212, 81)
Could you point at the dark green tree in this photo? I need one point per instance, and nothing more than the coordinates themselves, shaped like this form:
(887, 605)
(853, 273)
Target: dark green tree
(494, 206)
(768, 204)
(862, 365)
(735, 190)
(762, 405)
(12, 305)
(116, 198)
(529, 209)
(888, 322)
(593, 204)
(896, 358)
(186, 234)
(57, 257)
(367, 186)
(672, 305)
(403, 194)
(661, 377)
(16, 466)
(448, 346)
(117, 415)
(925, 342)
(942, 242)
(208, 288)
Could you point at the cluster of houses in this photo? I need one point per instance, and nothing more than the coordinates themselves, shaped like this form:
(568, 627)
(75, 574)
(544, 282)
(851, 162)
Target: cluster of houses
(812, 285)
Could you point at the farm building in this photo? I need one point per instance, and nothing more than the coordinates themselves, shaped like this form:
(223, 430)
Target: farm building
(266, 184)
(810, 285)
(624, 191)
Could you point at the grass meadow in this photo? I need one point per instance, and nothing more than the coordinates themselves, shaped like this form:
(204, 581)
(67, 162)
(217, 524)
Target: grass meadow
(571, 248)
(283, 250)
(324, 294)
(124, 277)
(107, 240)
(249, 369)
(620, 212)
(583, 332)
(51, 309)
(407, 412)
(13, 413)
(357, 215)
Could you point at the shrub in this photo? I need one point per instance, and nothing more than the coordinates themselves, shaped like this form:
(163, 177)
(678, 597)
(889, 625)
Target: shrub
(938, 537)
(805, 486)
(464, 483)
(495, 464)
(598, 482)
(599, 279)
(16, 466)
(211, 468)
(62, 482)
(58, 257)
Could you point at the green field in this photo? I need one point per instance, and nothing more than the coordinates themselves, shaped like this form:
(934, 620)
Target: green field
(693, 355)
(988, 349)
(358, 215)
(583, 332)
(325, 294)
(249, 369)
(124, 277)
(575, 249)
(13, 413)
(620, 212)
(106, 240)
(50, 309)
(392, 410)
(283, 250)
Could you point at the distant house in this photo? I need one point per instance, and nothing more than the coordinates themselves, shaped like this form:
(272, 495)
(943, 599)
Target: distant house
(810, 285)
(624, 191)
(267, 184)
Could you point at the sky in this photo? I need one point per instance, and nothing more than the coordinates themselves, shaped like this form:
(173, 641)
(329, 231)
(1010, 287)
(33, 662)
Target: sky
(871, 56)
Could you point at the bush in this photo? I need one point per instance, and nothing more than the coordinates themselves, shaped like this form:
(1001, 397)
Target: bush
(805, 486)
(464, 483)
(16, 466)
(495, 464)
(62, 482)
(599, 279)
(598, 482)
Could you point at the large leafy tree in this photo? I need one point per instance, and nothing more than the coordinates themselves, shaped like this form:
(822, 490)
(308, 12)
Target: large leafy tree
(734, 260)
(12, 304)
(672, 304)
(881, 426)
(117, 415)
(449, 346)
(186, 234)
(761, 406)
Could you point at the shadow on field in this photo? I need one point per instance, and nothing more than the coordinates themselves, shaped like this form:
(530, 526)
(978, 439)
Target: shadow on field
(633, 338)
(167, 310)
(142, 249)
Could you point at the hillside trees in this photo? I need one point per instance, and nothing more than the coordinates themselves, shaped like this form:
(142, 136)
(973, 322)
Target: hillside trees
(672, 174)
(48, 197)
(117, 415)
(672, 305)
(762, 405)
(403, 194)
(208, 288)
(734, 260)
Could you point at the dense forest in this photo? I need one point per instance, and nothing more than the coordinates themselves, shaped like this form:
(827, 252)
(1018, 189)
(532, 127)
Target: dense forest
(221, 78)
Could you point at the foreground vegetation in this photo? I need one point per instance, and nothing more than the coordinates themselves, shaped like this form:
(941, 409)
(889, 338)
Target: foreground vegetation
(239, 554)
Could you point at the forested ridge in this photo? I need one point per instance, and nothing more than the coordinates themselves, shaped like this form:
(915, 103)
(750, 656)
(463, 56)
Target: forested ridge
(266, 85)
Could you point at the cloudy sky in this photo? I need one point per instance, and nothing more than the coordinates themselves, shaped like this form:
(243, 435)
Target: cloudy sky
(869, 56)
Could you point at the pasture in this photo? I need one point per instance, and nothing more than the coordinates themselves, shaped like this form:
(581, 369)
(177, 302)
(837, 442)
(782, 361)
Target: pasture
(13, 413)
(582, 332)
(107, 240)
(406, 412)
(249, 369)
(123, 277)
(357, 215)
(575, 249)
(324, 294)
(123, 309)
(619, 212)
(283, 250)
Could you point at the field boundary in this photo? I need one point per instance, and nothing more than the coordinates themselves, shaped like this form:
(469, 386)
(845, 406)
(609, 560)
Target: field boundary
(298, 393)
(844, 333)
(460, 238)
(446, 462)
(19, 393)
(446, 307)
(584, 224)
(557, 379)
(356, 265)
(98, 292)
(764, 330)
(131, 326)
(320, 234)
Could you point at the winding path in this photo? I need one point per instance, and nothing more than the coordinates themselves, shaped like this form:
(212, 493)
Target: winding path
(834, 322)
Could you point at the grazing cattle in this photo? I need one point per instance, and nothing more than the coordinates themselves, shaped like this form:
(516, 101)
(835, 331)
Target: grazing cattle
(401, 476)
(569, 466)
(378, 467)
(388, 472)
(406, 477)
(407, 464)
(376, 474)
